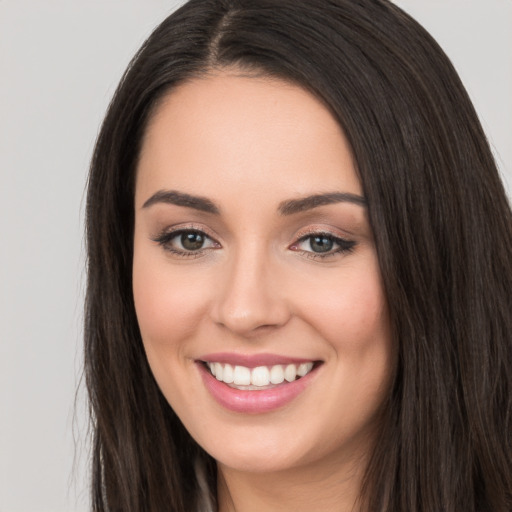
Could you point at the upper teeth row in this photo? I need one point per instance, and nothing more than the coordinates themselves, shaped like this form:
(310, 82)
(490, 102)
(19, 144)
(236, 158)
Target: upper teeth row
(259, 376)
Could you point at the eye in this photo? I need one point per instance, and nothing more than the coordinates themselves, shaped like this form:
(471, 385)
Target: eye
(319, 245)
(186, 242)
(191, 241)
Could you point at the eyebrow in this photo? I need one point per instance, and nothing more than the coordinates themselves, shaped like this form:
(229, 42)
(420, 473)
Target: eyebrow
(289, 207)
(307, 203)
(181, 199)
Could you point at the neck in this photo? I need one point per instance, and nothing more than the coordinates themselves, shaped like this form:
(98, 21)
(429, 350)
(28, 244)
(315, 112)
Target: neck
(326, 487)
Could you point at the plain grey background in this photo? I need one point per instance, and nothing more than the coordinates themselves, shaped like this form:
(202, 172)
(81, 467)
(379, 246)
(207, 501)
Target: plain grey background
(60, 61)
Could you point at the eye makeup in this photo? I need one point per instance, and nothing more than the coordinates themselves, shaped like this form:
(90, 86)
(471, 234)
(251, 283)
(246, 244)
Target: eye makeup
(186, 242)
(194, 242)
(322, 245)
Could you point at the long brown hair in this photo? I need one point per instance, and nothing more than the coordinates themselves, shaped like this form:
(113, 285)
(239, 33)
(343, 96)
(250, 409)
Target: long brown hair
(443, 232)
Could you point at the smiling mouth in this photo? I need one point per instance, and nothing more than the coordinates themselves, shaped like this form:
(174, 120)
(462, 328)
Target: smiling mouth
(260, 377)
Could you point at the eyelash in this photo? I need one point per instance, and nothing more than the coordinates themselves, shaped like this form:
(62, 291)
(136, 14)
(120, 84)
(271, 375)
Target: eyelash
(344, 246)
(165, 239)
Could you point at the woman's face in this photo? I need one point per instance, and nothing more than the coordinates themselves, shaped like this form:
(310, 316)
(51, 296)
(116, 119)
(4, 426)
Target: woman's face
(254, 255)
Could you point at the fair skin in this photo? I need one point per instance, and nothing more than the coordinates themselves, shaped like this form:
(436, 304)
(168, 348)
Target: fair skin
(246, 275)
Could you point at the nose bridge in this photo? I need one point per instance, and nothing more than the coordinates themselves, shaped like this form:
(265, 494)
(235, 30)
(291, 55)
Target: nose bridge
(249, 297)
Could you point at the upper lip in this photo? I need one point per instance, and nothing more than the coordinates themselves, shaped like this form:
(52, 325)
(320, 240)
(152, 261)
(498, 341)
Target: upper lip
(251, 360)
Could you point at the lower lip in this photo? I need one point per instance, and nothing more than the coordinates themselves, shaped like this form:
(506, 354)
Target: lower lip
(254, 401)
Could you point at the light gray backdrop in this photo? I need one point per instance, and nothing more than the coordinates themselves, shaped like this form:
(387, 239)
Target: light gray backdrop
(60, 61)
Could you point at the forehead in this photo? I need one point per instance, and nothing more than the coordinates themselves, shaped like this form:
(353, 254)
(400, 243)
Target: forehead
(225, 129)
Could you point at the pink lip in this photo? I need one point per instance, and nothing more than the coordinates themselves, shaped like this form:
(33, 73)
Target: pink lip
(254, 401)
(252, 360)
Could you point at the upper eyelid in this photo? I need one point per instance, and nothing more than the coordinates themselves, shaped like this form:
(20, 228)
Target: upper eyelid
(183, 228)
(319, 233)
(336, 238)
(317, 230)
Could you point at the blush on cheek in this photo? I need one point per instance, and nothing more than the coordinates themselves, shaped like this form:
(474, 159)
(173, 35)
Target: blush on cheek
(355, 320)
(166, 310)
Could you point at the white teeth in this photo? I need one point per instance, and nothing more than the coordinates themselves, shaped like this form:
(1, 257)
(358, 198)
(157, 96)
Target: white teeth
(218, 371)
(290, 372)
(242, 376)
(304, 369)
(228, 376)
(276, 374)
(261, 376)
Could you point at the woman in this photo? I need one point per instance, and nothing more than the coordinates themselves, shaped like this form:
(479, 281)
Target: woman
(299, 271)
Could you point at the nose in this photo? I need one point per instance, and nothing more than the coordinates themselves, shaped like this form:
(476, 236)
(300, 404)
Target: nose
(250, 299)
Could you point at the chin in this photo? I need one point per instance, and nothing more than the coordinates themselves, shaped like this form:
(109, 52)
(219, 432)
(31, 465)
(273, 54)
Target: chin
(264, 450)
(256, 461)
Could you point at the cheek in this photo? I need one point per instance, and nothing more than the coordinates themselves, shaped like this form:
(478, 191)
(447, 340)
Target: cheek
(351, 311)
(169, 306)
(352, 318)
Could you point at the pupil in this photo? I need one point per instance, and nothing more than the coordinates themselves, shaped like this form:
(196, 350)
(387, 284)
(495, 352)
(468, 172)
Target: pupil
(192, 241)
(321, 244)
